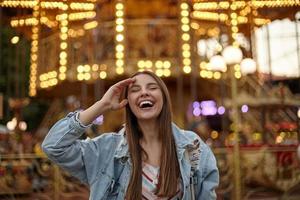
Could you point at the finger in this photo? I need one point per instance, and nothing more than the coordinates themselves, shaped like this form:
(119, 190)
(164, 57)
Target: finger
(125, 82)
(123, 103)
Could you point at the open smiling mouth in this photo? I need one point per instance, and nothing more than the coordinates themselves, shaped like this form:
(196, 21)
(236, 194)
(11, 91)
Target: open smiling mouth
(146, 104)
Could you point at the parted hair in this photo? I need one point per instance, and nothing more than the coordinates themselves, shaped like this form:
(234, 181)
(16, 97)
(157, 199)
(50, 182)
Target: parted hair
(169, 166)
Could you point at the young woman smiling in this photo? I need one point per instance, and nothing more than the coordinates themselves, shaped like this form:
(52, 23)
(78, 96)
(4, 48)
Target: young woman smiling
(150, 158)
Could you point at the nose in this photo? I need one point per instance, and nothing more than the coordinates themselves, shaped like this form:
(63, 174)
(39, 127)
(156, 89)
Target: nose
(144, 92)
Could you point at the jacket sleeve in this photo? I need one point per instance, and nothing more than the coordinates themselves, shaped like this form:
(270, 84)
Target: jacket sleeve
(209, 176)
(79, 157)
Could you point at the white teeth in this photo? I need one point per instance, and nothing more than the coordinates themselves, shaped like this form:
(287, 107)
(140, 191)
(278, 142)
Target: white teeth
(145, 102)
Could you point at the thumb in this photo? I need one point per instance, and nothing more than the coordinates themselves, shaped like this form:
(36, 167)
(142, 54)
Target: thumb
(123, 103)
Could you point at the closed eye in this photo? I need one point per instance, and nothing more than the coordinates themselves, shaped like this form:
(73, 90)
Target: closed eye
(153, 88)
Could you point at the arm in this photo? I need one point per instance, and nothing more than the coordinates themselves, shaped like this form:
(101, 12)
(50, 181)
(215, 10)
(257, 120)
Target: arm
(76, 156)
(109, 101)
(62, 146)
(209, 178)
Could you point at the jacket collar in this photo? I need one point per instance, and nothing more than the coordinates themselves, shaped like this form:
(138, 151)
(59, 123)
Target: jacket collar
(182, 140)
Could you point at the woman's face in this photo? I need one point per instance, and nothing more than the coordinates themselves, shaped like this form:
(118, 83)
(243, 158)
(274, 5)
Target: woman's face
(145, 97)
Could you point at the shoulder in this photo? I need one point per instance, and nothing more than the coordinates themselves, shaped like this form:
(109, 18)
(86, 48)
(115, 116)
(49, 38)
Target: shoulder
(106, 140)
(186, 138)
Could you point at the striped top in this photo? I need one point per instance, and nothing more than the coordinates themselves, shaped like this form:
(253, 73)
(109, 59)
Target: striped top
(149, 184)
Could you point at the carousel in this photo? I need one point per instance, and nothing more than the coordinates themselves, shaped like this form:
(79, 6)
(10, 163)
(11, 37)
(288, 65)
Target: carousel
(208, 54)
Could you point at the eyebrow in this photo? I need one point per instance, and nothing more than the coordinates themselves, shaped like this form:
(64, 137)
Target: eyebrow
(148, 84)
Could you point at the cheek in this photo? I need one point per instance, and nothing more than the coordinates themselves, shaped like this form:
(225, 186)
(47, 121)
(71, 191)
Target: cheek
(131, 101)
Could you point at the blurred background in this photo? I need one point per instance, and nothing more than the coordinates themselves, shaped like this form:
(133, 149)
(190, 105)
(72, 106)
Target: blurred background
(232, 68)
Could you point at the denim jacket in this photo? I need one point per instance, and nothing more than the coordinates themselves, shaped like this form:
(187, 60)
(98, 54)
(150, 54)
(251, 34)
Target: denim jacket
(104, 164)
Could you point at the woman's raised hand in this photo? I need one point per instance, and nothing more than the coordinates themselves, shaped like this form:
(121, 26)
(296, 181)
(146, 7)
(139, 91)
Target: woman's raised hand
(111, 99)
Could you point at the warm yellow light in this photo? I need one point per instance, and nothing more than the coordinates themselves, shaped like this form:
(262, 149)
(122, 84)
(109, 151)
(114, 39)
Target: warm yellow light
(119, 70)
(63, 45)
(186, 54)
(159, 64)
(34, 36)
(119, 21)
(214, 135)
(33, 57)
(64, 29)
(87, 76)
(53, 74)
(15, 39)
(82, 15)
(119, 13)
(42, 77)
(195, 25)
(62, 77)
(141, 63)
(119, 63)
(90, 25)
(119, 55)
(34, 49)
(159, 72)
(35, 30)
(119, 37)
(119, 6)
(102, 75)
(80, 68)
(202, 73)
(184, 13)
(234, 29)
(63, 36)
(148, 64)
(185, 20)
(82, 6)
(185, 28)
(34, 43)
(187, 61)
(32, 93)
(80, 77)
(167, 64)
(233, 15)
(186, 47)
(64, 22)
(217, 75)
(237, 67)
(62, 69)
(184, 6)
(87, 68)
(33, 78)
(167, 72)
(185, 37)
(187, 69)
(63, 55)
(237, 75)
(119, 28)
(210, 74)
(120, 47)
(95, 67)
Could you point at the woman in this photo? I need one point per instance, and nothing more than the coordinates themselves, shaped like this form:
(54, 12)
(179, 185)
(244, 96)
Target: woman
(150, 158)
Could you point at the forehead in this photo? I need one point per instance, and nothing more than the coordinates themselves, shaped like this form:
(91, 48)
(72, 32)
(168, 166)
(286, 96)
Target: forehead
(143, 79)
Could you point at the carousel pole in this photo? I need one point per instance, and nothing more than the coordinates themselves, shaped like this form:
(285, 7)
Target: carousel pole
(1, 95)
(233, 55)
(297, 18)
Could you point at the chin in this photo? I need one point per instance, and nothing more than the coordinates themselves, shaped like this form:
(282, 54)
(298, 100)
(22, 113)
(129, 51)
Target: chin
(147, 117)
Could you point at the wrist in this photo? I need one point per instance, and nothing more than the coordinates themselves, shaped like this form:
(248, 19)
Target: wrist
(103, 106)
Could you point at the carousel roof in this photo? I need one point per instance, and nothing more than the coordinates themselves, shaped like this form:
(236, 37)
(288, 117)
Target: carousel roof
(89, 40)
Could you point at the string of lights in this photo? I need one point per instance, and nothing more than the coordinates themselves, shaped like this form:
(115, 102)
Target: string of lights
(119, 38)
(185, 37)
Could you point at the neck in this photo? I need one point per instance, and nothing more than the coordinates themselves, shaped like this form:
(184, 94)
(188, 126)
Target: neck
(150, 131)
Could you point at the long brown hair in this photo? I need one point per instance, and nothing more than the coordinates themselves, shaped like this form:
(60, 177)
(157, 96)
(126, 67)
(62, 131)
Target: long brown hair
(169, 167)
